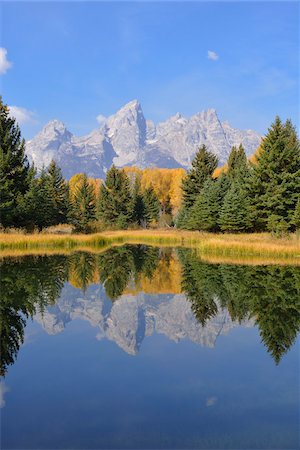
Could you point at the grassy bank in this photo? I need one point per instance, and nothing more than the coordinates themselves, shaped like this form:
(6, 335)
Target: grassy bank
(238, 246)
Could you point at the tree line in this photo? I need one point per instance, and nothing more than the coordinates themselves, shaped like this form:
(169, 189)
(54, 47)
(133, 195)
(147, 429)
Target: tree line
(263, 195)
(259, 293)
(36, 200)
(244, 196)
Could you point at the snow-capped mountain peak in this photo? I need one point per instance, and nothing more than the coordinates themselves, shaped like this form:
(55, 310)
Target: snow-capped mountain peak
(126, 138)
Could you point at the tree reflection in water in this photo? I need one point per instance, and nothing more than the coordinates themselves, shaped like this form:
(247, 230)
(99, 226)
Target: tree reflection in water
(268, 294)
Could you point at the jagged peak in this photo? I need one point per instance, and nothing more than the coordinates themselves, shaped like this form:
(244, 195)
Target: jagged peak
(132, 105)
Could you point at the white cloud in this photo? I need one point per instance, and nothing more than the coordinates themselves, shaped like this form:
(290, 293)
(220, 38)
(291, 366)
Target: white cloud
(22, 115)
(4, 63)
(3, 390)
(211, 401)
(212, 55)
(101, 119)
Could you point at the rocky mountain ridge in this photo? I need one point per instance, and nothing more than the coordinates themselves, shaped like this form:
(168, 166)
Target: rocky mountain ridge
(127, 138)
(130, 319)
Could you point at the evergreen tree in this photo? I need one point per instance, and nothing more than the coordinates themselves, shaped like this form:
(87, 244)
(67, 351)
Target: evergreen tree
(138, 202)
(235, 212)
(151, 205)
(82, 206)
(204, 215)
(203, 167)
(58, 192)
(36, 206)
(237, 163)
(204, 212)
(15, 173)
(296, 216)
(115, 201)
(274, 185)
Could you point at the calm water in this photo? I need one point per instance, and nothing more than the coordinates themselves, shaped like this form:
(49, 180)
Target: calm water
(147, 348)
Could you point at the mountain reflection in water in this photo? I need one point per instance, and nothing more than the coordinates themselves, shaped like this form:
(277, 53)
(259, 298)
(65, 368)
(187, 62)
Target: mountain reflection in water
(132, 291)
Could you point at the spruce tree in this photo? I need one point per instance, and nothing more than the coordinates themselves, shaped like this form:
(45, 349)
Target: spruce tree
(237, 163)
(15, 173)
(204, 215)
(82, 206)
(296, 215)
(151, 205)
(204, 212)
(203, 166)
(115, 200)
(138, 202)
(37, 205)
(274, 185)
(235, 212)
(58, 192)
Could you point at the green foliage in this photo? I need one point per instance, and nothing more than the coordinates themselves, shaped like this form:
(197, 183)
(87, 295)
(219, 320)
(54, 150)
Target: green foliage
(203, 167)
(115, 205)
(268, 294)
(151, 205)
(118, 265)
(204, 215)
(58, 193)
(22, 294)
(237, 163)
(15, 172)
(235, 213)
(296, 215)
(82, 206)
(274, 185)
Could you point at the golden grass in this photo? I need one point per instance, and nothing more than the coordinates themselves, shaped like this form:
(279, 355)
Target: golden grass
(261, 246)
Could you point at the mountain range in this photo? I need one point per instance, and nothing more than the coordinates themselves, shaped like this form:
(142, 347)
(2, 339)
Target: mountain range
(130, 319)
(127, 138)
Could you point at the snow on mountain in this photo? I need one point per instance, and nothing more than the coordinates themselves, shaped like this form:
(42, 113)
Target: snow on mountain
(126, 138)
(130, 319)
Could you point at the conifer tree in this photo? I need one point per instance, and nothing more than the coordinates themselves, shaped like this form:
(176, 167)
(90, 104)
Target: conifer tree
(204, 214)
(58, 193)
(237, 163)
(203, 166)
(151, 205)
(82, 206)
(115, 201)
(37, 205)
(274, 185)
(138, 202)
(235, 212)
(296, 216)
(15, 173)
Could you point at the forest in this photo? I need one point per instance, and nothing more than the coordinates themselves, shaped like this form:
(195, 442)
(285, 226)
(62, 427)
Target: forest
(246, 195)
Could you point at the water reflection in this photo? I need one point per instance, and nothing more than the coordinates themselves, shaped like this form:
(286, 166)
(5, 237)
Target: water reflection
(115, 291)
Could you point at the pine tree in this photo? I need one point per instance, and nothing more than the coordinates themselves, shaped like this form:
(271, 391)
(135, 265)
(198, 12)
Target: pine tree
(151, 205)
(204, 215)
(203, 167)
(82, 206)
(296, 216)
(58, 192)
(235, 212)
(204, 212)
(15, 173)
(115, 200)
(237, 163)
(274, 185)
(138, 202)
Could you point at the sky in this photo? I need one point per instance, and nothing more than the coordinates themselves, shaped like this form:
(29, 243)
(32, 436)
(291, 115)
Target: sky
(79, 61)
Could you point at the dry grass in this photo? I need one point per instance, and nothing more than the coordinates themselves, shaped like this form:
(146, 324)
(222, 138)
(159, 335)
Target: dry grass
(221, 246)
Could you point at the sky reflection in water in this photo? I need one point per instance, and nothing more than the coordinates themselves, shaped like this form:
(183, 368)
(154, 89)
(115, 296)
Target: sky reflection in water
(141, 347)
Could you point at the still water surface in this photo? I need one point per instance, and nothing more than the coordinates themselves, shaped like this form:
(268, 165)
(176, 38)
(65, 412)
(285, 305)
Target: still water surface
(148, 348)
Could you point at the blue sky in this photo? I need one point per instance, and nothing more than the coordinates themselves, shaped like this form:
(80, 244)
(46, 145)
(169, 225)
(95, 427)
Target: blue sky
(76, 60)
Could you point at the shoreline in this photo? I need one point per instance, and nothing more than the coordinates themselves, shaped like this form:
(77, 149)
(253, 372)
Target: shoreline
(226, 246)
